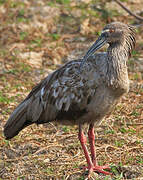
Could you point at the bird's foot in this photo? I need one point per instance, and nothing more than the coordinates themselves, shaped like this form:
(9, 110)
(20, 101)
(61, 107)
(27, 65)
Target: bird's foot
(98, 169)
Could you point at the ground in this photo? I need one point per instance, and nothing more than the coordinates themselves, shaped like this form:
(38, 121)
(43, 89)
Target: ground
(36, 37)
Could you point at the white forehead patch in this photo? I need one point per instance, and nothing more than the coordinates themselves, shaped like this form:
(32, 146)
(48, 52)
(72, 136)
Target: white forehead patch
(106, 30)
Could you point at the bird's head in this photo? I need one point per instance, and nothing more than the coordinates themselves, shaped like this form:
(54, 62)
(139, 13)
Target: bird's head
(114, 34)
(118, 33)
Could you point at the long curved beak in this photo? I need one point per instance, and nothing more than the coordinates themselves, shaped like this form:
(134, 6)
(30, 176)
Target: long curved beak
(97, 45)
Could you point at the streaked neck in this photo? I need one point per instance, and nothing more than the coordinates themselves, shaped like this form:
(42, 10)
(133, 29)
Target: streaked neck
(117, 69)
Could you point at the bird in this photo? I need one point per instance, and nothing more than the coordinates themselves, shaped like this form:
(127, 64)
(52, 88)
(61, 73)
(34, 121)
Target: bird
(83, 91)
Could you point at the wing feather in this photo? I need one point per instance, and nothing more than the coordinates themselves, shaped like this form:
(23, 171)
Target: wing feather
(63, 91)
(67, 87)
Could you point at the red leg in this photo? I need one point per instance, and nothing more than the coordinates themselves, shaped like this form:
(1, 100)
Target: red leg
(91, 167)
(91, 137)
(82, 139)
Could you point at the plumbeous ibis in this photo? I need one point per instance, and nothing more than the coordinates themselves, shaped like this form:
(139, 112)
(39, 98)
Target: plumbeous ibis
(82, 91)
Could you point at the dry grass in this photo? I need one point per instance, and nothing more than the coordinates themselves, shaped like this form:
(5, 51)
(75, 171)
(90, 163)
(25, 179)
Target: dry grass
(35, 38)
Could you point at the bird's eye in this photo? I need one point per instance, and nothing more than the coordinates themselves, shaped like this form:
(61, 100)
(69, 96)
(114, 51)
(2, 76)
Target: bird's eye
(111, 30)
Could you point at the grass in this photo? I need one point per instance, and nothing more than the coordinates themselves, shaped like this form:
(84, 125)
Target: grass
(51, 151)
(6, 100)
(64, 2)
(23, 35)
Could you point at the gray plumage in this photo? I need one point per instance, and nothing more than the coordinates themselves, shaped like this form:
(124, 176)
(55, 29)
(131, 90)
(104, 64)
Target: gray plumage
(82, 91)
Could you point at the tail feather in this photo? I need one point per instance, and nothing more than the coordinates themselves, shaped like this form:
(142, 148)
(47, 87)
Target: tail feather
(26, 113)
(17, 121)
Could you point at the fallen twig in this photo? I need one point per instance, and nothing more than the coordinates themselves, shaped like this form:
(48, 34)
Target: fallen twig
(126, 9)
(134, 124)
